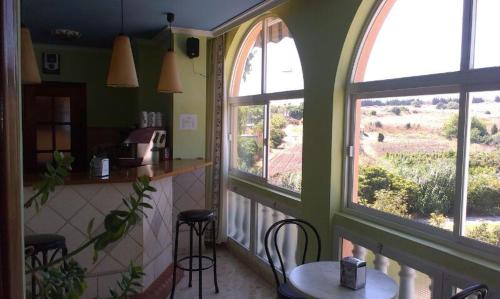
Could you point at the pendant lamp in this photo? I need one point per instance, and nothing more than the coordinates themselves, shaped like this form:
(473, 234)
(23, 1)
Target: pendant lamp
(121, 71)
(170, 81)
(29, 67)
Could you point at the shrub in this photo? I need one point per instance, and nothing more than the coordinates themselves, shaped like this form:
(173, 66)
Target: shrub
(494, 129)
(497, 99)
(248, 150)
(450, 105)
(408, 126)
(483, 193)
(277, 136)
(484, 234)
(291, 181)
(378, 124)
(393, 202)
(373, 112)
(380, 137)
(278, 123)
(487, 112)
(479, 133)
(396, 110)
(437, 220)
(296, 111)
(477, 100)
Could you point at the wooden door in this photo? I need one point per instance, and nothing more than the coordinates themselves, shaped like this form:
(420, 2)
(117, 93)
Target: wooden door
(54, 119)
(11, 252)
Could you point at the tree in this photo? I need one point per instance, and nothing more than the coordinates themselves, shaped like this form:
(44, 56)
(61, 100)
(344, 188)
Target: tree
(381, 137)
(478, 133)
(296, 111)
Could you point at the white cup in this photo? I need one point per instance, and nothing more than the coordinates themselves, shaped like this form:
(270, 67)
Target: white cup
(143, 119)
(159, 119)
(151, 119)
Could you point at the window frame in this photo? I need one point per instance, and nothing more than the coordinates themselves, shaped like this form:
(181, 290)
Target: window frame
(468, 79)
(264, 99)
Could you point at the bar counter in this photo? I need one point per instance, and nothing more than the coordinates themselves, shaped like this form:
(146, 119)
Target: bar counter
(164, 169)
(149, 244)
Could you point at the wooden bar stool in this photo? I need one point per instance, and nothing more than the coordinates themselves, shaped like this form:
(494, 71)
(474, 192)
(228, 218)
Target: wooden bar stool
(198, 221)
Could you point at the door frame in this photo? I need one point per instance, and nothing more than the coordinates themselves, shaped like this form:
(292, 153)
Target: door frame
(11, 229)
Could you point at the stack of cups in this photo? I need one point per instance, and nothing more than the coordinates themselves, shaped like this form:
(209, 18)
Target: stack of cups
(150, 119)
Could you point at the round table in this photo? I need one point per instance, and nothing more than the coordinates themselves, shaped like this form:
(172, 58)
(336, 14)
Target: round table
(322, 280)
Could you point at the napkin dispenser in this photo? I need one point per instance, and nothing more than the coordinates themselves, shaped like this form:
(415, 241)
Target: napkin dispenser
(352, 273)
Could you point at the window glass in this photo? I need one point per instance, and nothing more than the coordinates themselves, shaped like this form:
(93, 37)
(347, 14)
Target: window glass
(486, 36)
(248, 69)
(285, 144)
(283, 68)
(248, 154)
(43, 138)
(62, 109)
(410, 38)
(44, 109)
(63, 137)
(483, 188)
(405, 157)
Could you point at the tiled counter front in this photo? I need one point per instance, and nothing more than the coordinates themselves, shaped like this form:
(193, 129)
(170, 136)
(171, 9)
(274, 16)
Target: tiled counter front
(149, 244)
(189, 194)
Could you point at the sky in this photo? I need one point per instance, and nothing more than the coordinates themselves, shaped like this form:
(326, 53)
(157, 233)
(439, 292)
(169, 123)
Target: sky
(422, 37)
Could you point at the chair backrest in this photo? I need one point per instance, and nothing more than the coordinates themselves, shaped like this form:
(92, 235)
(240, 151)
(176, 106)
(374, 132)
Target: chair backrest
(274, 230)
(479, 290)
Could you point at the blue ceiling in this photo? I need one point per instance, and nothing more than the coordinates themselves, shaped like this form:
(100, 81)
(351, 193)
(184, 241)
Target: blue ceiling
(100, 20)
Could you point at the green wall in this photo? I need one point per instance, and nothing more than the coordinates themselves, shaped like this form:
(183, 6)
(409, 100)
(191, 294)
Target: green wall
(193, 72)
(106, 106)
(119, 107)
(326, 32)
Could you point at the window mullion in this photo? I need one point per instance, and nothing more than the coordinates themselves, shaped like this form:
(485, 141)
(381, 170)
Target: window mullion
(266, 140)
(460, 204)
(468, 32)
(264, 57)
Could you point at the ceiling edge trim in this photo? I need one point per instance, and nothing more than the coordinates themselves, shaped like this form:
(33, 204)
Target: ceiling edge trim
(245, 16)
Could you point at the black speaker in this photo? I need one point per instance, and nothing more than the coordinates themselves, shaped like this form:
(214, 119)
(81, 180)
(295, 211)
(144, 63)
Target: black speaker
(193, 47)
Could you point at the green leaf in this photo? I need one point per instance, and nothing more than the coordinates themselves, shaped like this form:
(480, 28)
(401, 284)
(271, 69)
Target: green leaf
(90, 227)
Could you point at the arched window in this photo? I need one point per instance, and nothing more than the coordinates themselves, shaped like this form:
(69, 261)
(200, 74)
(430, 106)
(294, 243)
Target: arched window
(266, 107)
(424, 112)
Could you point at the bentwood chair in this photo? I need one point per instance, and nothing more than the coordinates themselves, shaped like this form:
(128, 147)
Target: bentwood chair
(284, 291)
(479, 291)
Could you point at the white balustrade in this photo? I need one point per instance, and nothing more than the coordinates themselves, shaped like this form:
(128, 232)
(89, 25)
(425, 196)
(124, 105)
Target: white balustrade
(359, 252)
(237, 217)
(406, 282)
(264, 225)
(245, 223)
(381, 263)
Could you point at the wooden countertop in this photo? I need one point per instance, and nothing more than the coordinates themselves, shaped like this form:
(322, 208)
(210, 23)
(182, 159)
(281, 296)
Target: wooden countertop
(155, 172)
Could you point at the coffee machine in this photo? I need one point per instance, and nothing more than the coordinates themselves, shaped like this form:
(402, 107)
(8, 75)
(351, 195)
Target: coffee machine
(147, 147)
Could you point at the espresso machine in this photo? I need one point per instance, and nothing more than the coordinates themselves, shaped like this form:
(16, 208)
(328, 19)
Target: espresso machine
(147, 147)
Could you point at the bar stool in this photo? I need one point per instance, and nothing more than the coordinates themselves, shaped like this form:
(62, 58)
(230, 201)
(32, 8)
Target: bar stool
(198, 221)
(43, 243)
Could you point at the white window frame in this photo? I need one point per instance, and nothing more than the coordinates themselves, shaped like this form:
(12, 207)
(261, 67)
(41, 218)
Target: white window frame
(265, 99)
(462, 82)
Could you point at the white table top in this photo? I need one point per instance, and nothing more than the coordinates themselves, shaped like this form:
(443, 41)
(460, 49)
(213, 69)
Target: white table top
(322, 280)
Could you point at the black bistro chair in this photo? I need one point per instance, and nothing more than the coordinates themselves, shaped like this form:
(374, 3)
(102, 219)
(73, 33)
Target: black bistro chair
(478, 290)
(284, 291)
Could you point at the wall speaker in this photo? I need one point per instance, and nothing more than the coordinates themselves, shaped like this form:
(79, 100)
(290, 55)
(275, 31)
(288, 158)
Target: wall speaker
(193, 47)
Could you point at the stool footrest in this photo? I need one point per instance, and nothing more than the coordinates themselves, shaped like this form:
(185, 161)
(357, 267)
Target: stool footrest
(195, 258)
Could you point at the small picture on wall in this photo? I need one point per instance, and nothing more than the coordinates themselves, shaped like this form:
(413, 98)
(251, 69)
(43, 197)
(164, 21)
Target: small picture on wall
(51, 63)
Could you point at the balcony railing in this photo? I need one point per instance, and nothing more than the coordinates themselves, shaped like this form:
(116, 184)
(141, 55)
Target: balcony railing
(249, 217)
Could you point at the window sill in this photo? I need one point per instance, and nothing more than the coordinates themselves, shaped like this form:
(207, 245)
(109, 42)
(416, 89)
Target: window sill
(264, 192)
(443, 253)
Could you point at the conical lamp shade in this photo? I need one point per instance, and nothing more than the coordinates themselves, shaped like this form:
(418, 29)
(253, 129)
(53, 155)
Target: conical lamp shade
(170, 81)
(122, 68)
(29, 67)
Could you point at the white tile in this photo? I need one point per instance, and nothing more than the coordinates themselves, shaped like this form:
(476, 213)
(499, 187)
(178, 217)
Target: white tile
(126, 250)
(185, 180)
(108, 264)
(164, 236)
(87, 191)
(197, 193)
(163, 261)
(149, 276)
(125, 189)
(107, 199)
(46, 221)
(67, 202)
(84, 216)
(85, 258)
(91, 290)
(74, 238)
(136, 233)
(105, 283)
